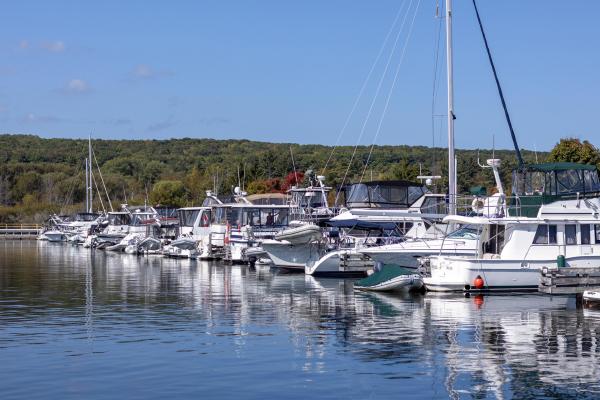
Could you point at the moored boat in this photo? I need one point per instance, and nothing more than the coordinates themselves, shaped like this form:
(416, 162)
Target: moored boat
(390, 278)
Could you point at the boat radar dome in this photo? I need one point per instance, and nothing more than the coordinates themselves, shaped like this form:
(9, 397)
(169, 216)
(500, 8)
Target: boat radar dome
(494, 162)
(237, 190)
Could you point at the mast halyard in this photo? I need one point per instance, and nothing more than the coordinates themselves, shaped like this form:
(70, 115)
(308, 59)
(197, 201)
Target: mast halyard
(450, 76)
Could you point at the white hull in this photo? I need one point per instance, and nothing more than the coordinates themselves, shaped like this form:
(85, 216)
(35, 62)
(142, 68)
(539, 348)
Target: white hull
(54, 236)
(591, 296)
(287, 255)
(345, 262)
(459, 274)
(406, 254)
(303, 234)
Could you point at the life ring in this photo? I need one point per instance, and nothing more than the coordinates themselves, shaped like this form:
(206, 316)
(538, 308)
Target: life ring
(478, 205)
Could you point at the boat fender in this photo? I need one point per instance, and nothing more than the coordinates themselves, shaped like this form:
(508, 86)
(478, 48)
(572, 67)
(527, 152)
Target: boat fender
(478, 282)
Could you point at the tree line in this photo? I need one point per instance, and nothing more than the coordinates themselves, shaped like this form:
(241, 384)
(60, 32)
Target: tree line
(40, 176)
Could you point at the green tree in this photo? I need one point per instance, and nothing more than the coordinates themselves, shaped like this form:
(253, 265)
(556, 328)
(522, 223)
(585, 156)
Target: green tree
(574, 150)
(170, 193)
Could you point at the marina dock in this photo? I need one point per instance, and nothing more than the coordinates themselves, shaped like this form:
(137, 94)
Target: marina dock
(19, 231)
(571, 280)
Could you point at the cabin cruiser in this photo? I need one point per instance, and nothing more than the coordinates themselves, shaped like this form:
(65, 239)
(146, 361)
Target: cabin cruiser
(69, 228)
(194, 227)
(78, 229)
(443, 238)
(379, 213)
(143, 222)
(246, 225)
(552, 222)
(303, 240)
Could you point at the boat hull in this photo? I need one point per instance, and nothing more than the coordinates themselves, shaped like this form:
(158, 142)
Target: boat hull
(341, 263)
(292, 256)
(459, 274)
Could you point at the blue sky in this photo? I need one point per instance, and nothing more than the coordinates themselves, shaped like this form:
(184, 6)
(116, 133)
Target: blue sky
(290, 71)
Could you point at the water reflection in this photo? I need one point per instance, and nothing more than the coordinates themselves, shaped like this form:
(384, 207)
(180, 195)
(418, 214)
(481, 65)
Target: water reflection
(148, 320)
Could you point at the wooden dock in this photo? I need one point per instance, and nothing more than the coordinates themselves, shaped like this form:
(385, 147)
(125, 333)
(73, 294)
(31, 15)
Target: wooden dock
(19, 231)
(568, 280)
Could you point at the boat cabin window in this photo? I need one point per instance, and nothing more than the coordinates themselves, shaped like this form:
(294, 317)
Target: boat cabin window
(556, 179)
(205, 218)
(119, 219)
(238, 216)
(166, 212)
(265, 216)
(585, 233)
(87, 217)
(495, 241)
(139, 219)
(545, 234)
(597, 234)
(308, 199)
(219, 215)
(187, 217)
(434, 205)
(383, 194)
(570, 234)
(465, 232)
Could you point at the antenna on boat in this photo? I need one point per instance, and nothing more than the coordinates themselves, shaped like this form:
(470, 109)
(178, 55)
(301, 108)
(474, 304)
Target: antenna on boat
(294, 165)
(489, 54)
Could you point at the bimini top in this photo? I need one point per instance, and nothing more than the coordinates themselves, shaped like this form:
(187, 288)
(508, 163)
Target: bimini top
(383, 194)
(556, 179)
(559, 166)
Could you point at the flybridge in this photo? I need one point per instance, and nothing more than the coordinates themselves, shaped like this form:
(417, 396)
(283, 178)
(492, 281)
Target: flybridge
(383, 194)
(538, 184)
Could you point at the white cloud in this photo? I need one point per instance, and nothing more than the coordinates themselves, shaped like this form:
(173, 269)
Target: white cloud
(144, 71)
(76, 86)
(31, 118)
(55, 46)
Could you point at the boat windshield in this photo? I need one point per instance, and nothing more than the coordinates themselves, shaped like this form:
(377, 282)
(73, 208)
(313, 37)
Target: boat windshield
(119, 219)
(87, 217)
(253, 216)
(308, 199)
(140, 218)
(187, 217)
(383, 194)
(465, 232)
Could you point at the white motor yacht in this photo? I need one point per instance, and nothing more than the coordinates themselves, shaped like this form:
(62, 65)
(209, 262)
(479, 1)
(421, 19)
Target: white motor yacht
(553, 221)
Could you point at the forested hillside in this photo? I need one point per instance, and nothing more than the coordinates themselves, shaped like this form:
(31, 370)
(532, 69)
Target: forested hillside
(38, 176)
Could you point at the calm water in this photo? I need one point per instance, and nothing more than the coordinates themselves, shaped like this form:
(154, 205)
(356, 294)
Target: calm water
(75, 323)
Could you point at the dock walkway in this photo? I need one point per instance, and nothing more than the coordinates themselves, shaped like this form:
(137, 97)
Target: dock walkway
(568, 280)
(19, 231)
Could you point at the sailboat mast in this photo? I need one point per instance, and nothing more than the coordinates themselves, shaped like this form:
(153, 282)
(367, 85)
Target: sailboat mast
(90, 184)
(450, 76)
(87, 185)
